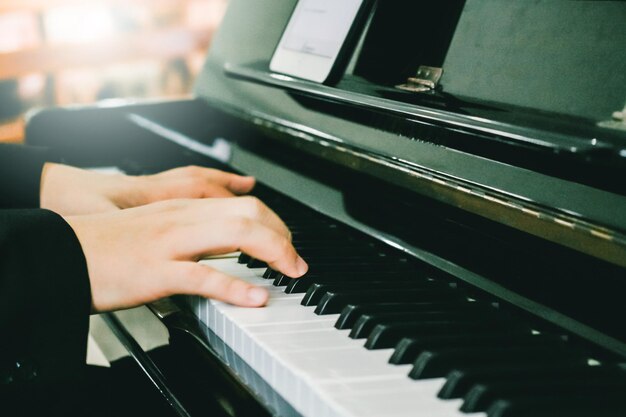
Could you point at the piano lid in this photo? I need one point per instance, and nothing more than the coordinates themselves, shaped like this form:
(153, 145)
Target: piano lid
(514, 130)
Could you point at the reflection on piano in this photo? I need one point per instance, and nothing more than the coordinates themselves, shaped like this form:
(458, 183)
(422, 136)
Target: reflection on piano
(467, 244)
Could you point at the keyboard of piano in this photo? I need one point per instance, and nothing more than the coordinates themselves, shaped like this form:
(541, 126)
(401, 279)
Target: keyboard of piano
(370, 332)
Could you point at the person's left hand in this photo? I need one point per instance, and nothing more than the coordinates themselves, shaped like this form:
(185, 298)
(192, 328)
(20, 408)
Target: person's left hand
(72, 191)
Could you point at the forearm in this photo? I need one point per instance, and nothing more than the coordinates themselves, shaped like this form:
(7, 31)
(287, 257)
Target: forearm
(45, 300)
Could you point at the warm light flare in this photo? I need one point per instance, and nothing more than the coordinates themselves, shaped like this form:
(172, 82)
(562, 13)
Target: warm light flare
(79, 24)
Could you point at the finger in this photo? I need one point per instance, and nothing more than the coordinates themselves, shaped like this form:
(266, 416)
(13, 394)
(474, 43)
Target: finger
(216, 191)
(192, 187)
(201, 180)
(237, 184)
(199, 279)
(229, 234)
(275, 249)
(257, 210)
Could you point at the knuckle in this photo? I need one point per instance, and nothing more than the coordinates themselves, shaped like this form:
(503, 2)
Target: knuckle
(254, 206)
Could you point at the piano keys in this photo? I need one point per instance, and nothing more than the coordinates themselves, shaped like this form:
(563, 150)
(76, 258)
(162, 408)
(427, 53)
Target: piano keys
(400, 341)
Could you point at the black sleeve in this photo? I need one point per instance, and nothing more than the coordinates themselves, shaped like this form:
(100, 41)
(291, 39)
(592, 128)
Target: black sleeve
(45, 299)
(20, 175)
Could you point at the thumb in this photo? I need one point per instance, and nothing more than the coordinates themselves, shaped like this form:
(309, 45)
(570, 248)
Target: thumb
(199, 279)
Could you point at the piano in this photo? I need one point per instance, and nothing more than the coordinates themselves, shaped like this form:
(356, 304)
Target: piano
(458, 193)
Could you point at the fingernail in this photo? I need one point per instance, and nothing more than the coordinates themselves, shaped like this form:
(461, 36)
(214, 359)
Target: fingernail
(257, 296)
(301, 266)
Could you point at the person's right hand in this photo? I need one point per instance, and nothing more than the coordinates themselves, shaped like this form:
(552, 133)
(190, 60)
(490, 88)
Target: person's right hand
(142, 254)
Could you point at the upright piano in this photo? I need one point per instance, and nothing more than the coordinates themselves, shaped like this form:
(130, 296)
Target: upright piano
(459, 192)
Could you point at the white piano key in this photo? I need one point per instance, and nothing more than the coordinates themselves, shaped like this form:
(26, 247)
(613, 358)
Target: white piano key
(288, 327)
(382, 384)
(343, 364)
(277, 312)
(306, 339)
(398, 403)
(400, 395)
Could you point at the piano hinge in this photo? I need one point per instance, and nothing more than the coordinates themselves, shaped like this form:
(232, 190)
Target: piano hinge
(617, 122)
(426, 79)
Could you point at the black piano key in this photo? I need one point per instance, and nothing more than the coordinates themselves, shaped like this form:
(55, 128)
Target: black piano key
(460, 381)
(582, 406)
(280, 280)
(409, 348)
(311, 223)
(317, 291)
(334, 302)
(243, 258)
(342, 265)
(366, 323)
(438, 363)
(256, 263)
(310, 235)
(295, 285)
(300, 241)
(343, 244)
(339, 252)
(345, 268)
(273, 274)
(300, 285)
(328, 261)
(388, 335)
(308, 285)
(351, 313)
(338, 256)
(482, 396)
(327, 238)
(349, 267)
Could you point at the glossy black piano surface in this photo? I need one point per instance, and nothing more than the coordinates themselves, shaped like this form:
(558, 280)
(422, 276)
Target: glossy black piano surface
(477, 230)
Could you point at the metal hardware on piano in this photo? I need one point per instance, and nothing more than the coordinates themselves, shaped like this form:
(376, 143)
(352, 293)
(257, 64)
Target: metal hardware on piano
(467, 241)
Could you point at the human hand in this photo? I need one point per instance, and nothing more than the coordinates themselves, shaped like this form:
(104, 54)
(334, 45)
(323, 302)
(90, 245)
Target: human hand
(71, 191)
(142, 254)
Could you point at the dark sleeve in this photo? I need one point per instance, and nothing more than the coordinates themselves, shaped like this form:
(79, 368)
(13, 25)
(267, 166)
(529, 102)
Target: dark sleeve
(45, 299)
(20, 175)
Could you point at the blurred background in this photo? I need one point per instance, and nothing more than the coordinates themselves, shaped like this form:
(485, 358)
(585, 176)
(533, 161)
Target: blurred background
(64, 52)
